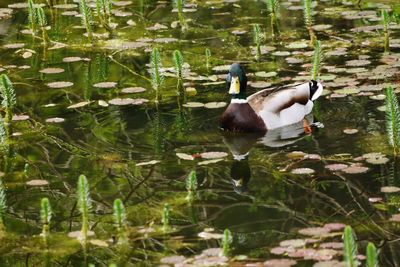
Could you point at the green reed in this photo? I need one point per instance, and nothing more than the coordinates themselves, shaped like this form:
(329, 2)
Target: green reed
(3, 206)
(45, 216)
(350, 248)
(157, 78)
(32, 17)
(208, 58)
(227, 240)
(179, 6)
(273, 9)
(191, 185)
(8, 95)
(317, 61)
(308, 19)
(257, 39)
(120, 220)
(42, 22)
(87, 18)
(103, 10)
(84, 205)
(386, 21)
(392, 119)
(178, 62)
(166, 217)
(372, 256)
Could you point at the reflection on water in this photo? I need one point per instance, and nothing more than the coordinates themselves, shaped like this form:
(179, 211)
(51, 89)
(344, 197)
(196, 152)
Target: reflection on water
(240, 145)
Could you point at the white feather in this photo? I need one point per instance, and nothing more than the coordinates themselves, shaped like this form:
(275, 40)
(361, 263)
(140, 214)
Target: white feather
(318, 92)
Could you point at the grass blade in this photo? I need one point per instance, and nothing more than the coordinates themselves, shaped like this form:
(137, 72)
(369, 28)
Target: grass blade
(350, 247)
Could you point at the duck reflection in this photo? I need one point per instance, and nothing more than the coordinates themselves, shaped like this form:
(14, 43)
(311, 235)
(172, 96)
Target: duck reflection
(240, 145)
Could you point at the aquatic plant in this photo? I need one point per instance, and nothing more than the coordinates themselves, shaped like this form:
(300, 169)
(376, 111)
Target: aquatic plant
(308, 18)
(84, 205)
(227, 240)
(42, 22)
(350, 247)
(178, 62)
(103, 10)
(120, 220)
(317, 61)
(166, 217)
(179, 6)
(32, 17)
(392, 119)
(372, 256)
(157, 78)
(257, 38)
(8, 94)
(45, 216)
(386, 21)
(208, 58)
(87, 18)
(273, 9)
(191, 184)
(3, 206)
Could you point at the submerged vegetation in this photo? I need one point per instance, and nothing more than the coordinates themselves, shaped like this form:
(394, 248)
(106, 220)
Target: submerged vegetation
(317, 61)
(308, 18)
(45, 215)
(157, 77)
(273, 9)
(257, 39)
(8, 96)
(86, 18)
(392, 119)
(85, 205)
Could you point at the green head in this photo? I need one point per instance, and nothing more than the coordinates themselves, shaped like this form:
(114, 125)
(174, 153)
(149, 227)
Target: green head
(236, 81)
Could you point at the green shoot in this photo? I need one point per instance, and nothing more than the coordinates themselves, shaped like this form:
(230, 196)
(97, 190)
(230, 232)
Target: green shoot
(166, 217)
(179, 6)
(191, 184)
(227, 240)
(372, 256)
(392, 119)
(8, 94)
(257, 38)
(103, 10)
(120, 220)
(3, 205)
(84, 205)
(350, 247)
(178, 61)
(273, 9)
(87, 18)
(317, 61)
(208, 58)
(308, 18)
(386, 21)
(42, 22)
(45, 215)
(157, 78)
(32, 17)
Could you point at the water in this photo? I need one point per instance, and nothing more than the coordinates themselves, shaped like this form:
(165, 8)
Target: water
(258, 198)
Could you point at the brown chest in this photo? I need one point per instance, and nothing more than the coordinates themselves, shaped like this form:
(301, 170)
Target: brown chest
(241, 118)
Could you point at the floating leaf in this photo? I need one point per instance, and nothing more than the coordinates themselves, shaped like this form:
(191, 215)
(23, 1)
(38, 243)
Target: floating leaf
(213, 155)
(105, 85)
(193, 105)
(314, 231)
(52, 70)
(60, 84)
(350, 131)
(354, 169)
(303, 171)
(184, 156)
(131, 90)
(280, 263)
(390, 189)
(213, 105)
(211, 161)
(55, 120)
(79, 105)
(152, 162)
(37, 182)
(336, 167)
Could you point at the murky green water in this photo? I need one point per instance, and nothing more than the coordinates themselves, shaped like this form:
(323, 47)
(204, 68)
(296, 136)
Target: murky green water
(260, 199)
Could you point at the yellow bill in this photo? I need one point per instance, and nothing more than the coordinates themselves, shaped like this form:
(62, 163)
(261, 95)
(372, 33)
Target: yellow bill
(235, 86)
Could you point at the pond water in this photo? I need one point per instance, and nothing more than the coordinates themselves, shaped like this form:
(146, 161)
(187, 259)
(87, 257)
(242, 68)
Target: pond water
(140, 152)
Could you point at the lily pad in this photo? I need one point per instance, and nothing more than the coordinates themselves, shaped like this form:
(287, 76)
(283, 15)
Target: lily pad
(213, 155)
(184, 156)
(37, 182)
(152, 162)
(303, 171)
(213, 105)
(390, 189)
(55, 120)
(79, 105)
(52, 70)
(132, 90)
(105, 85)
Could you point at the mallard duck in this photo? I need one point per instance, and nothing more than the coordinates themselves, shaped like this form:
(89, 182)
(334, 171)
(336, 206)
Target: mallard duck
(268, 109)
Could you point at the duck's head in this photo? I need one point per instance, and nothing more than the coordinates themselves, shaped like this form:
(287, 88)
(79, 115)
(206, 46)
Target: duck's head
(236, 81)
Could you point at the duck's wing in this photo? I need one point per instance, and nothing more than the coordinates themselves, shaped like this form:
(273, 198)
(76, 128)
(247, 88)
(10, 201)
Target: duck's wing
(277, 99)
(285, 105)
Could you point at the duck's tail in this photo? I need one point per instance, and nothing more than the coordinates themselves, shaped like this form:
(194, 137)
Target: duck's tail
(316, 89)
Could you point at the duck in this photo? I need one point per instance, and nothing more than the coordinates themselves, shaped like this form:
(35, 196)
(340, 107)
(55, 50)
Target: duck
(267, 109)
